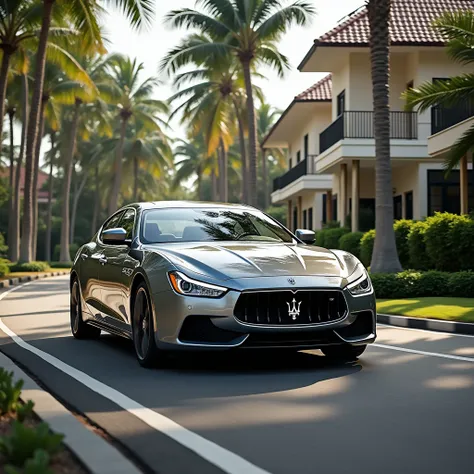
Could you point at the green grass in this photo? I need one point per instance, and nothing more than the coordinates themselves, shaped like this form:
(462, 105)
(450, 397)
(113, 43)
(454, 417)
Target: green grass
(449, 309)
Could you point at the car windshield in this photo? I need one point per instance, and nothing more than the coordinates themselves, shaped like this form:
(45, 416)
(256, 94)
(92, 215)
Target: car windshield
(200, 225)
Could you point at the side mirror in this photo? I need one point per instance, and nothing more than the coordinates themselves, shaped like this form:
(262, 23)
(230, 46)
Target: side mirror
(115, 236)
(307, 236)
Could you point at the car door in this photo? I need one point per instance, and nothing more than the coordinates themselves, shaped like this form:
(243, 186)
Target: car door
(115, 274)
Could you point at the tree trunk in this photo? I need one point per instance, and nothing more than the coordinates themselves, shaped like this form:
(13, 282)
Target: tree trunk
(95, 215)
(214, 185)
(11, 199)
(33, 130)
(199, 183)
(75, 203)
(3, 84)
(135, 178)
(384, 256)
(39, 140)
(114, 194)
(14, 246)
(264, 179)
(64, 255)
(243, 153)
(252, 162)
(49, 218)
(225, 171)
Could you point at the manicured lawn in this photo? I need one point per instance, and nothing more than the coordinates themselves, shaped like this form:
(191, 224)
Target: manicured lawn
(22, 274)
(450, 309)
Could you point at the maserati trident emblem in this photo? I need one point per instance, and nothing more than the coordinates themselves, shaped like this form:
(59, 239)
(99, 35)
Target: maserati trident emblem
(294, 311)
(291, 281)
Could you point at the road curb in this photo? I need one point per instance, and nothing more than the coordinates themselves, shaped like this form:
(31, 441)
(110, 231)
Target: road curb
(96, 454)
(425, 323)
(18, 280)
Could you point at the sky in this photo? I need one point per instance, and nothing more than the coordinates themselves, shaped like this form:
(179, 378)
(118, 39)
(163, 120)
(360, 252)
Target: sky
(151, 45)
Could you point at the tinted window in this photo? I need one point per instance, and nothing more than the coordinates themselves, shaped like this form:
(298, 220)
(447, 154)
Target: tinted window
(127, 221)
(198, 225)
(112, 222)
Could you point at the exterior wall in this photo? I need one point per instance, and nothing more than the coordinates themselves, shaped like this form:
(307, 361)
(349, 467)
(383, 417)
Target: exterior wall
(340, 82)
(319, 121)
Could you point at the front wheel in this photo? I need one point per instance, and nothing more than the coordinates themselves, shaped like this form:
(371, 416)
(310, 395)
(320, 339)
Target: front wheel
(80, 329)
(343, 353)
(143, 329)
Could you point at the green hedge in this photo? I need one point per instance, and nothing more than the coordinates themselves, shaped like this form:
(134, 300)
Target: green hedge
(367, 246)
(329, 238)
(60, 264)
(413, 284)
(350, 242)
(29, 267)
(418, 256)
(4, 267)
(3, 247)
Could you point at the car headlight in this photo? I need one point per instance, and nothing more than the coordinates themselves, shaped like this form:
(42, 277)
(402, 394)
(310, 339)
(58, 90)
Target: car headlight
(189, 287)
(360, 283)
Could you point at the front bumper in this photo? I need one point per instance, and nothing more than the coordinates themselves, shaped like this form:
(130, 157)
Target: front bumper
(184, 322)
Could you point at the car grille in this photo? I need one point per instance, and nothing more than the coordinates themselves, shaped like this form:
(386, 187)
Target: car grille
(290, 308)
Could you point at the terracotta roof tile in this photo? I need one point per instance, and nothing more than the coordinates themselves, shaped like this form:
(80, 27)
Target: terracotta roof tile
(410, 23)
(321, 91)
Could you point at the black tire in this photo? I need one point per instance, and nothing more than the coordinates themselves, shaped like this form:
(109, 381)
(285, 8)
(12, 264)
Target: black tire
(143, 329)
(79, 328)
(343, 353)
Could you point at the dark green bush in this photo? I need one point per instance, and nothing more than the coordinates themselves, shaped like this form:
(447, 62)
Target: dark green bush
(433, 283)
(29, 267)
(60, 264)
(367, 247)
(350, 242)
(461, 236)
(332, 236)
(38, 464)
(418, 257)
(402, 229)
(3, 247)
(461, 284)
(321, 237)
(9, 392)
(332, 225)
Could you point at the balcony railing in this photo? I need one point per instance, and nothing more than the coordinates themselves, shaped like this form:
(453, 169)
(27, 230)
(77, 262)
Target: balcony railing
(293, 174)
(444, 117)
(354, 124)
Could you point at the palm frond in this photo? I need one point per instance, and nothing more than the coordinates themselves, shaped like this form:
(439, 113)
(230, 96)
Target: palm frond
(461, 147)
(139, 13)
(273, 58)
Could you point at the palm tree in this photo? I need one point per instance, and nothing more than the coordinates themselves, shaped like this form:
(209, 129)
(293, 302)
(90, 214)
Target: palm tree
(134, 101)
(250, 31)
(458, 29)
(83, 14)
(51, 158)
(384, 256)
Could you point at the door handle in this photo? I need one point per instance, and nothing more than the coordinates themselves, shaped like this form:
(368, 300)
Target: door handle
(84, 256)
(102, 260)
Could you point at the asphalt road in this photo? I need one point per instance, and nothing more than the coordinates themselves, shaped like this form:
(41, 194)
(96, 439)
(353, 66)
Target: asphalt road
(406, 407)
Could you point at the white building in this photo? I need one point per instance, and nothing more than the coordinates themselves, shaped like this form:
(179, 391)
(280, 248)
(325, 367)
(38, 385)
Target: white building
(331, 124)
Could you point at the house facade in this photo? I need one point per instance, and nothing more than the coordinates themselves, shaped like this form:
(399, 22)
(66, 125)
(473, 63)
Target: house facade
(338, 131)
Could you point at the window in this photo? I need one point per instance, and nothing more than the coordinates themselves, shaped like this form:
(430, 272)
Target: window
(325, 200)
(306, 146)
(397, 207)
(200, 225)
(341, 103)
(305, 219)
(290, 163)
(127, 221)
(334, 208)
(298, 156)
(112, 223)
(310, 218)
(409, 205)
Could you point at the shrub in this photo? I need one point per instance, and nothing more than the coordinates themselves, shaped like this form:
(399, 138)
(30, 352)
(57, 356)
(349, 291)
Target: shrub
(3, 247)
(433, 283)
(332, 236)
(29, 267)
(24, 411)
(402, 229)
(367, 247)
(461, 284)
(4, 267)
(321, 237)
(38, 464)
(332, 225)
(418, 256)
(23, 441)
(60, 264)
(350, 242)
(9, 392)
(461, 236)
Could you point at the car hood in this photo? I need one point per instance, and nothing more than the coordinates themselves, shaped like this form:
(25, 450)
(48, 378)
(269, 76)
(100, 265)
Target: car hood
(235, 260)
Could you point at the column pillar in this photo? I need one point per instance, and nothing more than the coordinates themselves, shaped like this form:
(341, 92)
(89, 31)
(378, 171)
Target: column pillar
(355, 195)
(300, 212)
(289, 215)
(328, 206)
(342, 199)
(463, 182)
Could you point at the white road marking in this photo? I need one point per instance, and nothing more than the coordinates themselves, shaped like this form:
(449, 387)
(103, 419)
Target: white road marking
(443, 333)
(424, 353)
(215, 454)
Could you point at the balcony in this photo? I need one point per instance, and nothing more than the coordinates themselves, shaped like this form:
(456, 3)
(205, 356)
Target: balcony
(358, 124)
(292, 175)
(444, 117)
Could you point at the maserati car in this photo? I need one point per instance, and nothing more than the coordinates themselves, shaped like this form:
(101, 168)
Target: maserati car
(206, 276)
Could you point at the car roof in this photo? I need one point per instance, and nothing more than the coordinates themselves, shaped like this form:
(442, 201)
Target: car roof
(186, 205)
